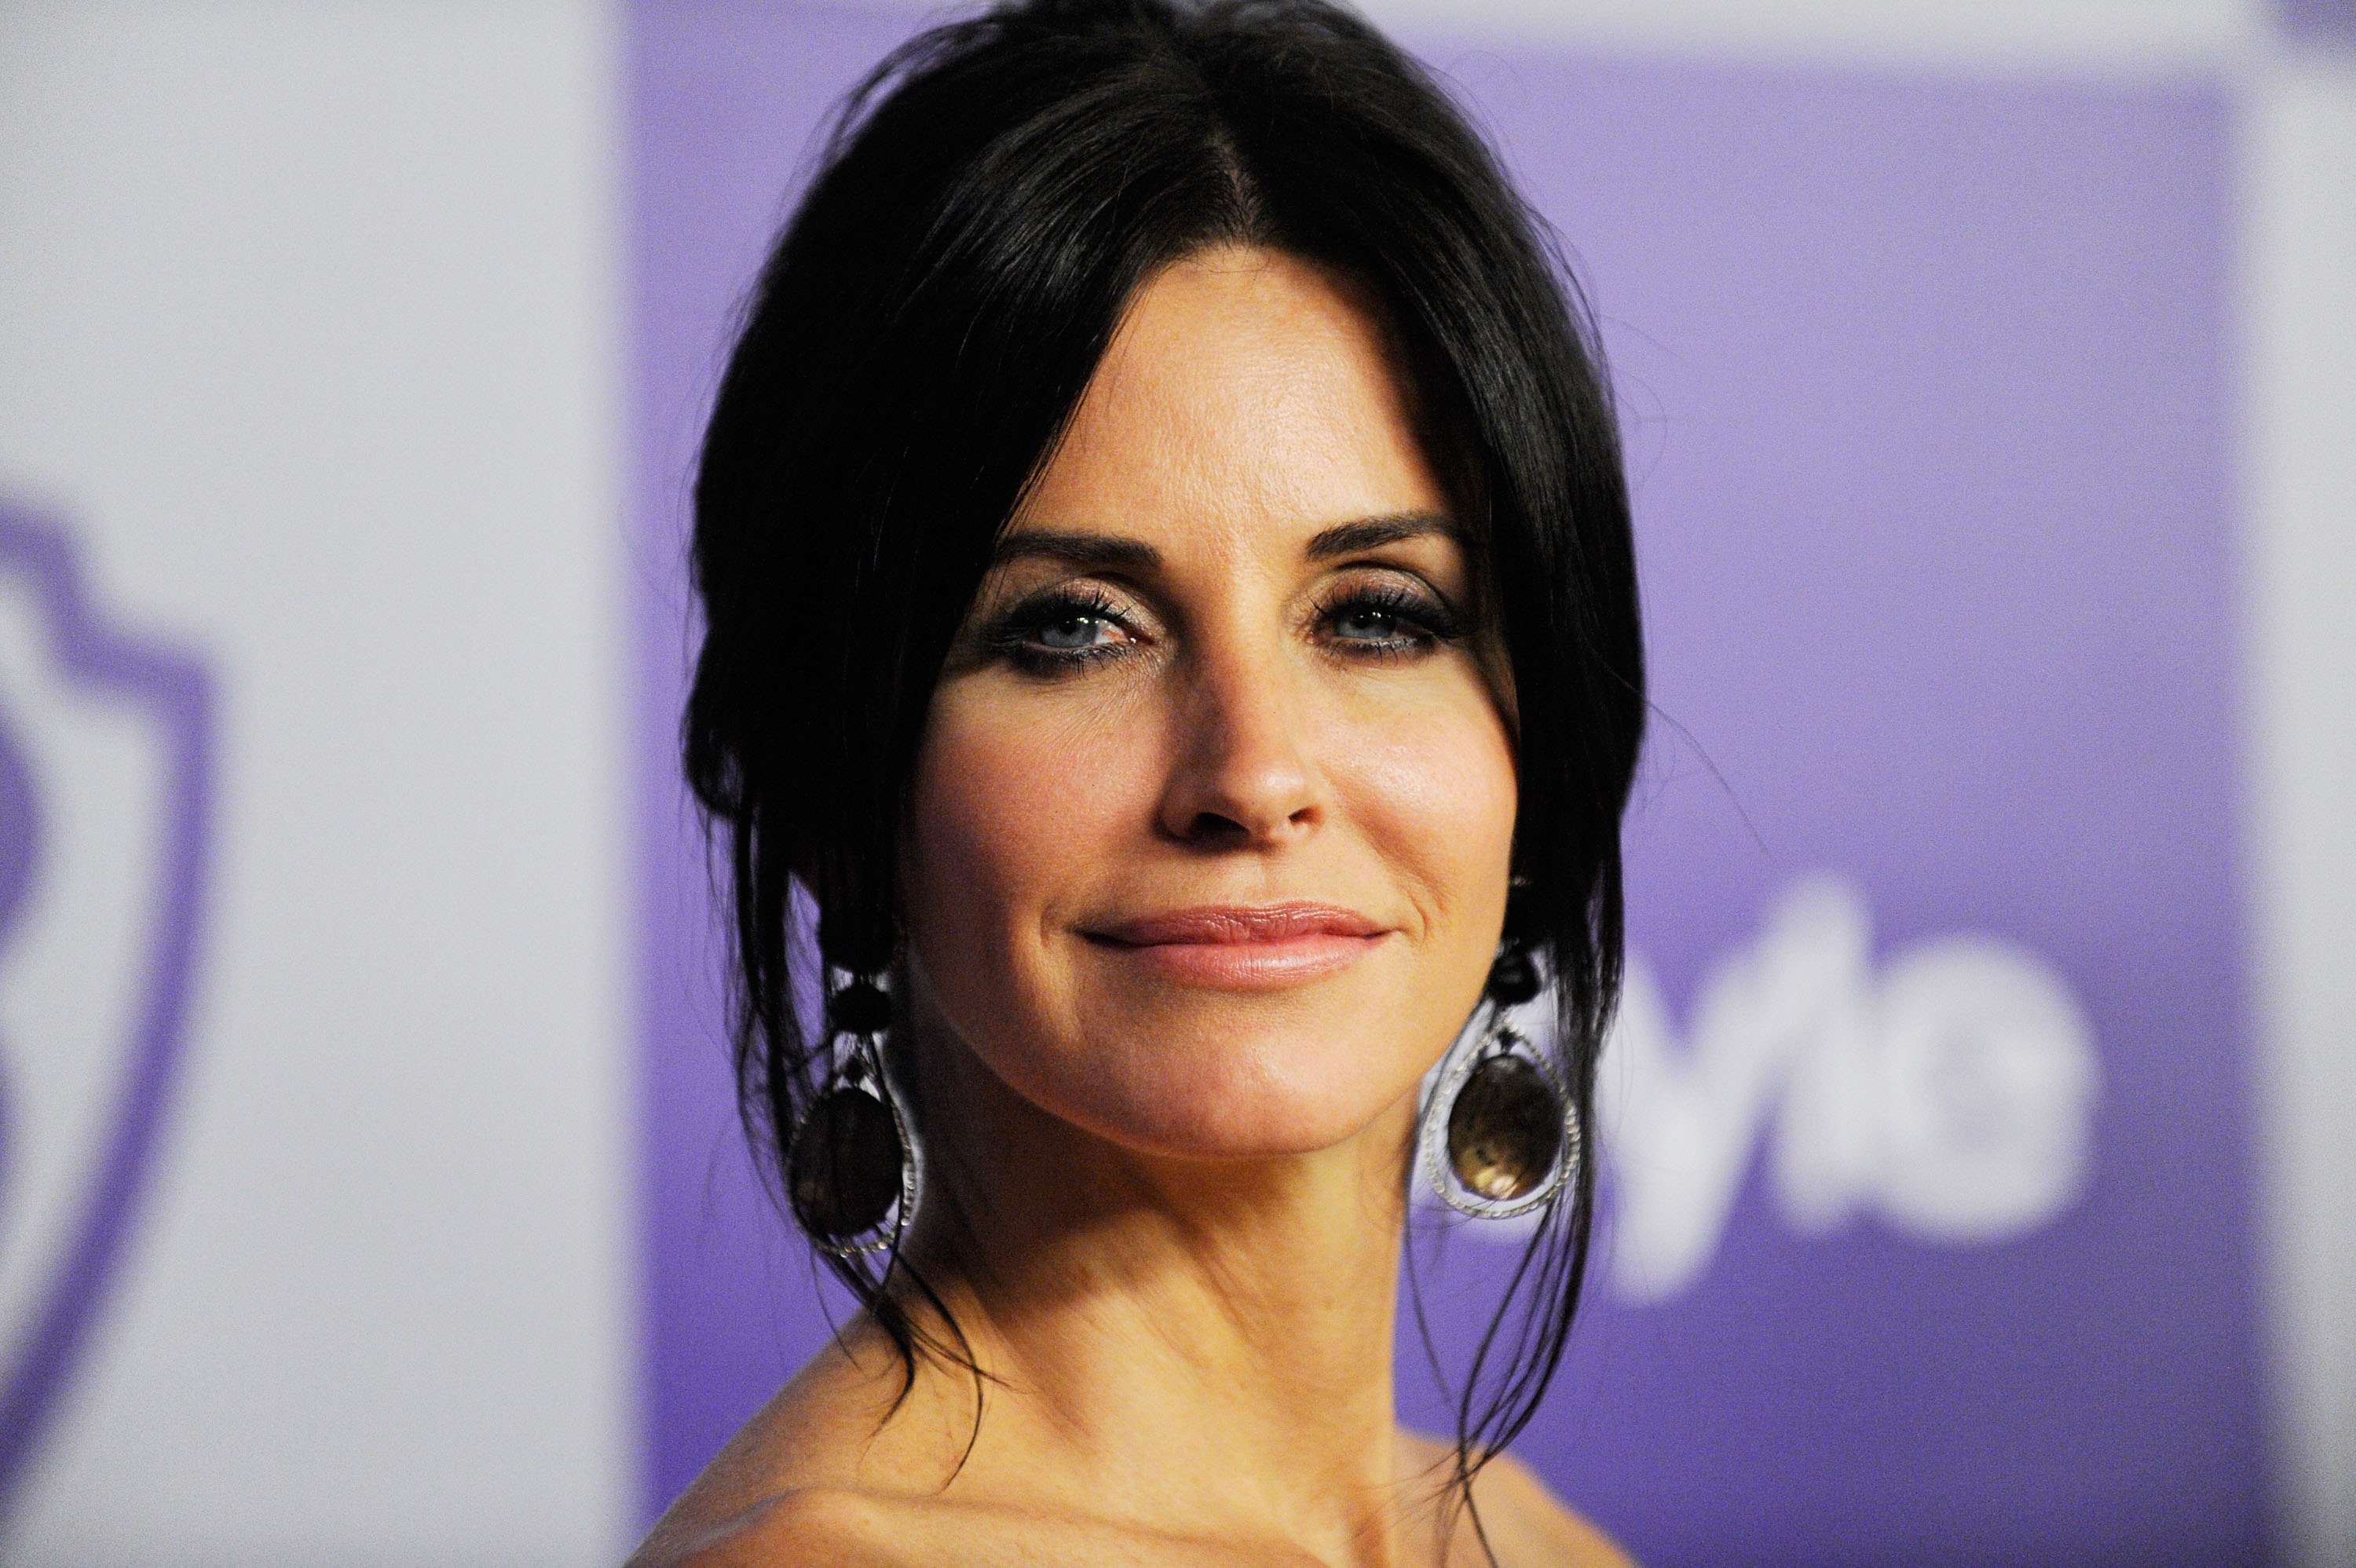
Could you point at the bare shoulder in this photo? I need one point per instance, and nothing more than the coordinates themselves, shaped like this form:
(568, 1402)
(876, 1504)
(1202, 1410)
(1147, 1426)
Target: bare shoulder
(818, 1527)
(1527, 1525)
(1532, 1527)
(799, 1472)
(813, 1524)
(822, 1478)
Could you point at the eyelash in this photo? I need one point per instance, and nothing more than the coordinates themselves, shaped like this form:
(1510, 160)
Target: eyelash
(1014, 637)
(1433, 621)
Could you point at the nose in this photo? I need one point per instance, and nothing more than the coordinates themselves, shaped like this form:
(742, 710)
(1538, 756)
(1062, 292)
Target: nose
(1242, 775)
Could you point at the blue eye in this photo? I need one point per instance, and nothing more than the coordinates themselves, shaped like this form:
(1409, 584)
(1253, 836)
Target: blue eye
(1385, 621)
(1367, 623)
(1071, 633)
(1061, 631)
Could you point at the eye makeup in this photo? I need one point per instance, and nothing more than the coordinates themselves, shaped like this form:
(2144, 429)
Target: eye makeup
(1061, 630)
(1072, 626)
(1385, 619)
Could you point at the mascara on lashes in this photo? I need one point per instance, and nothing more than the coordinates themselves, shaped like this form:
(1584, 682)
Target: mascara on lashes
(1013, 635)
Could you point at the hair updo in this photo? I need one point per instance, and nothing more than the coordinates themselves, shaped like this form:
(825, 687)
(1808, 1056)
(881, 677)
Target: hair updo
(990, 199)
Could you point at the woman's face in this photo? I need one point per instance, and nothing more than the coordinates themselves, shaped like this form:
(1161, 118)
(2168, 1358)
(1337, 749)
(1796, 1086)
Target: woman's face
(1213, 816)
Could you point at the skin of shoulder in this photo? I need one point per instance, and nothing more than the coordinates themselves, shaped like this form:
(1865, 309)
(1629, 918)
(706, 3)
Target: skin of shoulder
(1527, 1525)
(837, 1472)
(794, 1471)
(822, 1526)
(764, 1501)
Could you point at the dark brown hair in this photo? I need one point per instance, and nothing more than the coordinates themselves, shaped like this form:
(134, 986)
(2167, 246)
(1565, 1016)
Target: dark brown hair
(991, 198)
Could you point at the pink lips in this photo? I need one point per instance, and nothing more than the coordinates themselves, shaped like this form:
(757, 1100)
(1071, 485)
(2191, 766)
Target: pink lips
(1245, 947)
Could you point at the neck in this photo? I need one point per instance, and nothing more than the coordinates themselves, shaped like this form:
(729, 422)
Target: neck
(1197, 1345)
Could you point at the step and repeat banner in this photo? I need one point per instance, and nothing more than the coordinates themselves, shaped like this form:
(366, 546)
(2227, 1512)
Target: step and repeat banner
(1926, 1133)
(315, 1166)
(371, 1187)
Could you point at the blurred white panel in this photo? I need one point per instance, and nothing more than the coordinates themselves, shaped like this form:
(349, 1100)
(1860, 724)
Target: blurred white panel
(2300, 262)
(309, 326)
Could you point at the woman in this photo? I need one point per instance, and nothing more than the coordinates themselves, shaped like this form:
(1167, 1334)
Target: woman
(1171, 618)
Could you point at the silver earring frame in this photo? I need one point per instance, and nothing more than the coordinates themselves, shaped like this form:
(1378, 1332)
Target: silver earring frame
(1470, 1051)
(862, 1069)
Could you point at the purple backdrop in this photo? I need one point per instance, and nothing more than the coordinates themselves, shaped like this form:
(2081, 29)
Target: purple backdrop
(2318, 21)
(1925, 383)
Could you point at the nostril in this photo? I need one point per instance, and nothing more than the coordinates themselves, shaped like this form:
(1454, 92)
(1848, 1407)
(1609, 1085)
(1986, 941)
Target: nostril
(1209, 826)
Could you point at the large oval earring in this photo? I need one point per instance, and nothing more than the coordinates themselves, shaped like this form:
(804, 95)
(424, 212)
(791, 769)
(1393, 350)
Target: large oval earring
(1497, 1137)
(853, 1172)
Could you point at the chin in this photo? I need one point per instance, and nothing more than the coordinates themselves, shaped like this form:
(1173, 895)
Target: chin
(1238, 1089)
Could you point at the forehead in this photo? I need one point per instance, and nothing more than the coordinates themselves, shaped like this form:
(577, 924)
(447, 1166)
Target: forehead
(1247, 394)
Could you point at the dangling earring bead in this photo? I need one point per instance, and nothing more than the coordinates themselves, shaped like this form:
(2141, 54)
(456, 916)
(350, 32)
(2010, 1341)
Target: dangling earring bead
(1513, 978)
(860, 1008)
(1497, 1136)
(851, 1173)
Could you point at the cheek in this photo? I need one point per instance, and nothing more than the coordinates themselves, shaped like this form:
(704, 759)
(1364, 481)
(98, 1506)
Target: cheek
(1008, 812)
(1432, 785)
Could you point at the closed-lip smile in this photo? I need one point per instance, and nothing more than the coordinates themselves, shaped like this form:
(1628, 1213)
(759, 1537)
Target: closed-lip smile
(1242, 946)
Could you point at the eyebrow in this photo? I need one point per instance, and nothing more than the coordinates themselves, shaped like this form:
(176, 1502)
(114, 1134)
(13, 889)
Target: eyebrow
(1099, 551)
(1371, 533)
(1111, 553)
